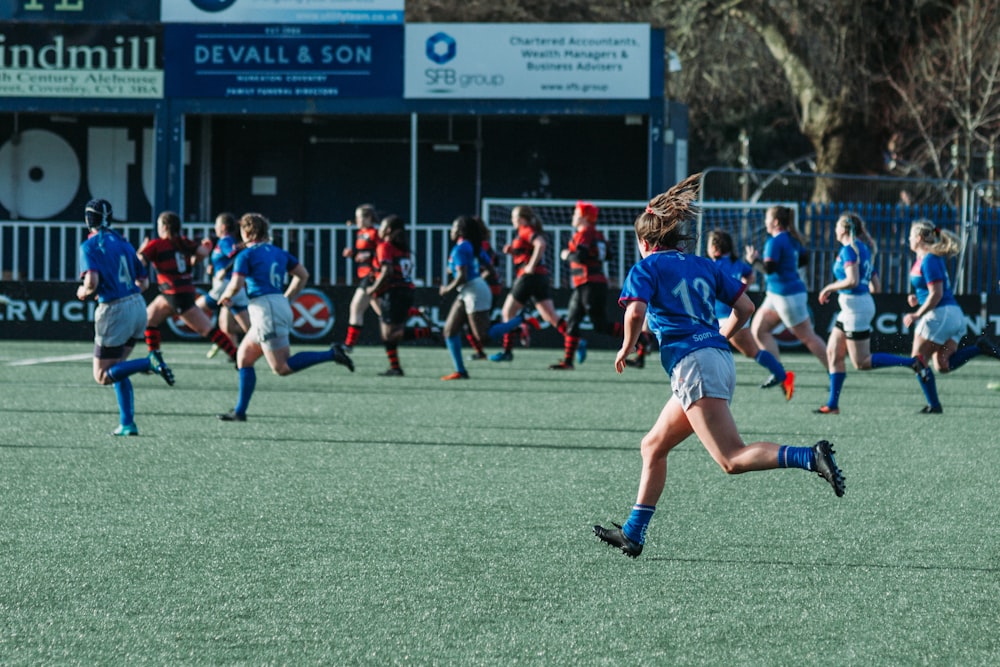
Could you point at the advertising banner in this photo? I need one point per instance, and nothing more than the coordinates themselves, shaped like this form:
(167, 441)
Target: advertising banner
(286, 61)
(78, 11)
(283, 11)
(117, 61)
(580, 61)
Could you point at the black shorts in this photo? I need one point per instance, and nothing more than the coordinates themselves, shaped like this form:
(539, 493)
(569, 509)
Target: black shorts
(367, 281)
(532, 286)
(181, 303)
(395, 305)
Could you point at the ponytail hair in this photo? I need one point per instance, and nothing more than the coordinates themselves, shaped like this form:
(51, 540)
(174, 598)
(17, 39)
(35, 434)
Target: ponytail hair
(940, 242)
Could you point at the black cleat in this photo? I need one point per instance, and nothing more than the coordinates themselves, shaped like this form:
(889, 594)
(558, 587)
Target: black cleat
(931, 410)
(160, 367)
(638, 362)
(827, 468)
(615, 537)
(340, 356)
(561, 366)
(231, 416)
(988, 347)
(392, 372)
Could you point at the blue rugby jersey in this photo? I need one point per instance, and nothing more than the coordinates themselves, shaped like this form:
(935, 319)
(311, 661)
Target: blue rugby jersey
(116, 263)
(931, 269)
(680, 292)
(264, 266)
(735, 268)
(863, 258)
(784, 251)
(463, 254)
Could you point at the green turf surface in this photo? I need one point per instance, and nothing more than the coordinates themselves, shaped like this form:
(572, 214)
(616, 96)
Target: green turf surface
(356, 519)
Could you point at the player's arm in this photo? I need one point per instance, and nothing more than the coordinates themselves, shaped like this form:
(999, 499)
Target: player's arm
(742, 310)
(380, 280)
(89, 285)
(236, 284)
(537, 253)
(300, 276)
(635, 318)
(461, 277)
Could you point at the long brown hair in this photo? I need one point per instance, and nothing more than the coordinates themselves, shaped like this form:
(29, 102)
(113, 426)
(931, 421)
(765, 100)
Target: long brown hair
(663, 223)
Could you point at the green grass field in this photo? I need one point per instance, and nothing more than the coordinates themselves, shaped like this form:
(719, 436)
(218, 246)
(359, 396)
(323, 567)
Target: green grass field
(356, 519)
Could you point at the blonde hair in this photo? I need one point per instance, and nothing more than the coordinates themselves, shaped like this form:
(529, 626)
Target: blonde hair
(938, 241)
(662, 224)
(255, 227)
(855, 226)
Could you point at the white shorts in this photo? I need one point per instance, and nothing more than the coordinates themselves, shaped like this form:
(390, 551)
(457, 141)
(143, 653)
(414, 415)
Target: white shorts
(705, 373)
(856, 312)
(793, 309)
(119, 321)
(270, 321)
(476, 296)
(942, 324)
(239, 301)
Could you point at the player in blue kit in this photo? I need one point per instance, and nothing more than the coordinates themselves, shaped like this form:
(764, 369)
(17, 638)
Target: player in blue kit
(786, 300)
(112, 272)
(473, 298)
(233, 320)
(261, 268)
(938, 322)
(720, 249)
(676, 292)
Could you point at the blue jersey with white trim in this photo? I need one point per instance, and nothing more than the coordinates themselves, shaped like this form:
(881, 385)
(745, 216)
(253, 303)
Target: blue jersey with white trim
(863, 258)
(116, 263)
(931, 269)
(680, 292)
(264, 266)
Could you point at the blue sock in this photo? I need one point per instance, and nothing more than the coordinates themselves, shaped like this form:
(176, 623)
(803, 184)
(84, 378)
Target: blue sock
(771, 363)
(126, 400)
(929, 387)
(836, 384)
(501, 328)
(454, 344)
(796, 457)
(961, 356)
(248, 382)
(122, 370)
(301, 360)
(884, 359)
(638, 521)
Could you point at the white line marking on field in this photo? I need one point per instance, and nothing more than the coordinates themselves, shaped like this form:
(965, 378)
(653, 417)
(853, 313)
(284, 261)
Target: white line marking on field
(50, 360)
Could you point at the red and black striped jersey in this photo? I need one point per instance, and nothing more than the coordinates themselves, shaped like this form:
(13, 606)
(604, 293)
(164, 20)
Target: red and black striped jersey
(365, 244)
(399, 264)
(523, 247)
(173, 260)
(588, 250)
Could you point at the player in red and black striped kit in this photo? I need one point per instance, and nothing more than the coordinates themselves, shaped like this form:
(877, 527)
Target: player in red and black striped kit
(393, 288)
(586, 253)
(363, 255)
(532, 283)
(173, 256)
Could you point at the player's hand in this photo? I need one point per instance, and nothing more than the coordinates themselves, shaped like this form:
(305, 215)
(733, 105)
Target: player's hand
(620, 360)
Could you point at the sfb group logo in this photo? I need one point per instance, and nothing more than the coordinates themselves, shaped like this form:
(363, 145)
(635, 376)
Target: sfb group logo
(441, 48)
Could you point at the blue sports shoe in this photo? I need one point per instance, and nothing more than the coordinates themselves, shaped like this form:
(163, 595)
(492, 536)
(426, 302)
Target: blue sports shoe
(160, 367)
(502, 356)
(581, 350)
(126, 429)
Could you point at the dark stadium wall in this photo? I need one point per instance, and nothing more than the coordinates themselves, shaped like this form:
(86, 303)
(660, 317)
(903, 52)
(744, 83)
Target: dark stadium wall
(50, 311)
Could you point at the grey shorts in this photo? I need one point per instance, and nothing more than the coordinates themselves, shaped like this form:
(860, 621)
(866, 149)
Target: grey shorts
(270, 321)
(705, 373)
(793, 309)
(119, 321)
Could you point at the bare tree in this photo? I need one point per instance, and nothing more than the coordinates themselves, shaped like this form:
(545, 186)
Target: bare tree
(948, 86)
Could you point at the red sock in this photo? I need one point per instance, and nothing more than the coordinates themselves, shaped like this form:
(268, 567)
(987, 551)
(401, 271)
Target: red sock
(152, 338)
(474, 343)
(570, 343)
(353, 334)
(561, 327)
(391, 351)
(225, 343)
